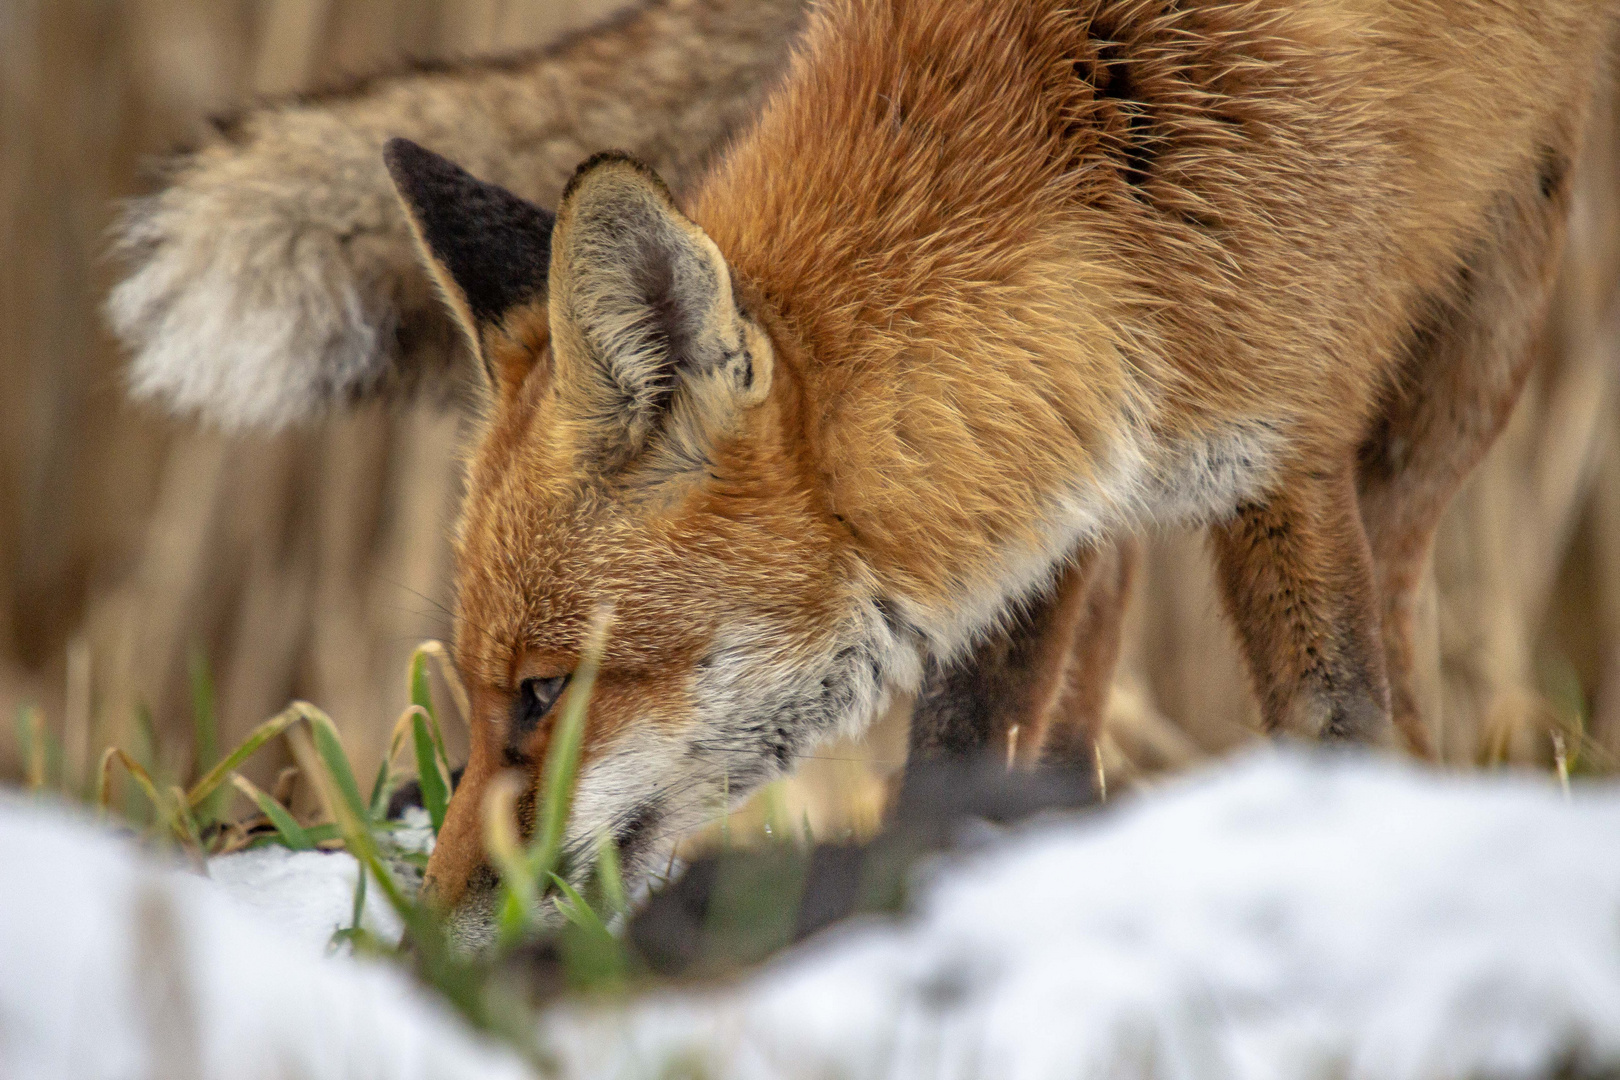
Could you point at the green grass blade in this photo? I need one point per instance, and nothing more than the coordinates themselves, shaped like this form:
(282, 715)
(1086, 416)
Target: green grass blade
(382, 788)
(378, 803)
(185, 829)
(422, 698)
(330, 749)
(318, 835)
(779, 824)
(146, 750)
(610, 876)
(517, 910)
(512, 916)
(575, 909)
(562, 756)
(292, 834)
(31, 737)
(421, 694)
(248, 747)
(449, 676)
(435, 791)
(359, 897)
(519, 903)
(142, 779)
(347, 814)
(205, 723)
(593, 958)
(452, 976)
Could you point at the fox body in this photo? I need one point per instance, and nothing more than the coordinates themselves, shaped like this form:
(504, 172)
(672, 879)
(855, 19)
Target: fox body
(986, 283)
(987, 287)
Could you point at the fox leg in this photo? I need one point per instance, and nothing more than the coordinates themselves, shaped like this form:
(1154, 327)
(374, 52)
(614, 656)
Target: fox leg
(1463, 376)
(1068, 730)
(1296, 574)
(1035, 690)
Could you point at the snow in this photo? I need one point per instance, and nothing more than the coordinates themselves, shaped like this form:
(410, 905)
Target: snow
(1293, 916)
(1289, 915)
(115, 965)
(309, 894)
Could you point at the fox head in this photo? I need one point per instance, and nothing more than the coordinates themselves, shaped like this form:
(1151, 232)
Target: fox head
(643, 447)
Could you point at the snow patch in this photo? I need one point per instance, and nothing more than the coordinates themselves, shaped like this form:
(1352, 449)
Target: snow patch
(1294, 916)
(116, 965)
(1298, 915)
(307, 895)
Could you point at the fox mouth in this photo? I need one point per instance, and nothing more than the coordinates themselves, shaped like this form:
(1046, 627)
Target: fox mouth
(637, 833)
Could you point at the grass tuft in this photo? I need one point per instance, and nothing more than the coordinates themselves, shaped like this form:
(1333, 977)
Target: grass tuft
(192, 819)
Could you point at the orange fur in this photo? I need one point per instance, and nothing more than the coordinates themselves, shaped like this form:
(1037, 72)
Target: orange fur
(989, 280)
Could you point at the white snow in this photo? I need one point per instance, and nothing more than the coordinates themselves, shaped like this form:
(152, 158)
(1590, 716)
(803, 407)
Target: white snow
(1291, 916)
(307, 894)
(1288, 915)
(113, 965)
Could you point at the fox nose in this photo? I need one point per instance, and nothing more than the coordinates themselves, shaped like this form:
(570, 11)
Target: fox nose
(469, 919)
(459, 882)
(458, 853)
(471, 922)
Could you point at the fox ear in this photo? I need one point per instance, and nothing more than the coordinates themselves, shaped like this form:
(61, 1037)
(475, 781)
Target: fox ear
(644, 322)
(488, 249)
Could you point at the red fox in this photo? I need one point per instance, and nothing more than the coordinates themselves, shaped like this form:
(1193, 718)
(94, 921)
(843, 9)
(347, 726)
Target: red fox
(986, 284)
(276, 273)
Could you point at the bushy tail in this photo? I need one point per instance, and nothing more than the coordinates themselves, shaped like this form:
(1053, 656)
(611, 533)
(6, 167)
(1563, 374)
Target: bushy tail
(275, 275)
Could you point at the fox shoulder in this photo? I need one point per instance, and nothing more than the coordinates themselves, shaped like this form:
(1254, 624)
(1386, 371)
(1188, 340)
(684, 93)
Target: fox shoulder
(275, 274)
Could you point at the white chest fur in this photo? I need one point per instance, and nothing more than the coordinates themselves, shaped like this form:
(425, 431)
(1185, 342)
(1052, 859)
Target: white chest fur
(1147, 481)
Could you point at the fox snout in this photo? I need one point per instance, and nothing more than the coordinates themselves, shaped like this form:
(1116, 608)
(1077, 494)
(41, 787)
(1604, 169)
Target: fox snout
(459, 881)
(624, 795)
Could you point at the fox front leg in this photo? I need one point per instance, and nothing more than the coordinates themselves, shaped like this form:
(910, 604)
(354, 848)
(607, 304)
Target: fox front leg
(1296, 576)
(1036, 690)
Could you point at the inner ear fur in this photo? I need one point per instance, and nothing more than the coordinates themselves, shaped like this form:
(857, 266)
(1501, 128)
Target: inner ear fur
(488, 249)
(645, 323)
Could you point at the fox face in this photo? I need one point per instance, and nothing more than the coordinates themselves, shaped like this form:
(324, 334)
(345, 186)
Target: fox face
(641, 453)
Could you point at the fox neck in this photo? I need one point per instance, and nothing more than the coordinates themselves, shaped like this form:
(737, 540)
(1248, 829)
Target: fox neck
(965, 390)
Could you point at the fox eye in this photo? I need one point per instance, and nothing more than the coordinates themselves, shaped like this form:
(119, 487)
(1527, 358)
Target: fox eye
(535, 699)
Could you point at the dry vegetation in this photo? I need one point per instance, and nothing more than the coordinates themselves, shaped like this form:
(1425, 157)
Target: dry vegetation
(308, 565)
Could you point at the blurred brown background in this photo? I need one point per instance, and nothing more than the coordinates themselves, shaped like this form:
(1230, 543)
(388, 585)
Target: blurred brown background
(301, 565)
(309, 564)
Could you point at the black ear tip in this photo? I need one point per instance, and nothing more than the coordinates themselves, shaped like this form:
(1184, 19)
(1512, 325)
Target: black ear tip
(400, 154)
(412, 165)
(495, 246)
(610, 158)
